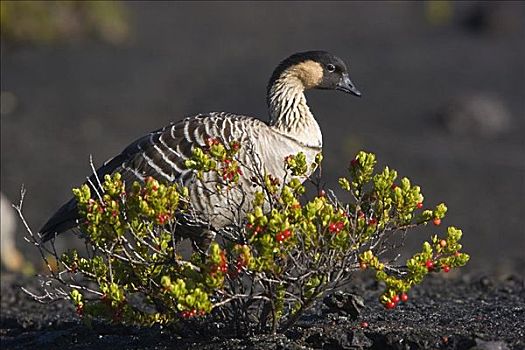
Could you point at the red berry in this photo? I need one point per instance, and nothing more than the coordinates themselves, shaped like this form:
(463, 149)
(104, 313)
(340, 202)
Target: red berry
(395, 299)
(240, 263)
(354, 162)
(404, 297)
(362, 266)
(212, 141)
(419, 205)
(360, 214)
(281, 236)
(456, 254)
(394, 186)
(364, 324)
(372, 222)
(443, 243)
(322, 193)
(73, 268)
(437, 221)
(446, 268)
(390, 305)
(429, 264)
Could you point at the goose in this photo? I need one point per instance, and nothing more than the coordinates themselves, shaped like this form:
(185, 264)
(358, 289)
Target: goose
(161, 154)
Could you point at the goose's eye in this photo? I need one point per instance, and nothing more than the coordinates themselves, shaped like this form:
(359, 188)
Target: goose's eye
(330, 68)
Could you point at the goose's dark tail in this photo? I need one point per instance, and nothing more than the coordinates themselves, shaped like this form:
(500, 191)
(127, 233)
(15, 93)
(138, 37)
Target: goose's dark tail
(64, 219)
(67, 215)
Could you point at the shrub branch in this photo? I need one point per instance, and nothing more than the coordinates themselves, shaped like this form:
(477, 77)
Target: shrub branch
(281, 252)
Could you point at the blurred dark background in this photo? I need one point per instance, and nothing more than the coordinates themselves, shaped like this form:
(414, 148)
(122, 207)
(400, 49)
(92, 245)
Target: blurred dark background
(443, 96)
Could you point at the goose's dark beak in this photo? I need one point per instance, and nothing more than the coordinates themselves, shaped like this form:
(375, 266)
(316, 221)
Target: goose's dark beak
(346, 85)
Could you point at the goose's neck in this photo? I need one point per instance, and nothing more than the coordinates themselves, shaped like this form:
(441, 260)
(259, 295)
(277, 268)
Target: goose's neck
(290, 114)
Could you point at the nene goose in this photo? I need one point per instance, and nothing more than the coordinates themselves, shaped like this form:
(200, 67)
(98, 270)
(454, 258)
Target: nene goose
(292, 129)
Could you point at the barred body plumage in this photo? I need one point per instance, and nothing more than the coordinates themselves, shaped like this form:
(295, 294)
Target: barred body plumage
(264, 146)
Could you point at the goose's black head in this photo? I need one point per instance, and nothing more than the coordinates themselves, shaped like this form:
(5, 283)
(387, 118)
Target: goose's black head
(315, 70)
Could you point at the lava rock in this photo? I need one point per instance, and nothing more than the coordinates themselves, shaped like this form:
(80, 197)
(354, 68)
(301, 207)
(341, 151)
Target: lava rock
(489, 345)
(344, 304)
(359, 340)
(338, 338)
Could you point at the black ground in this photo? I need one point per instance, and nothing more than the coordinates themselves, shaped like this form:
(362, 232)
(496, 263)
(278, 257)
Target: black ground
(453, 313)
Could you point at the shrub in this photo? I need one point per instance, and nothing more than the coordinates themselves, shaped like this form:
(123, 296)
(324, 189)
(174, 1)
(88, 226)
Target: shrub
(262, 273)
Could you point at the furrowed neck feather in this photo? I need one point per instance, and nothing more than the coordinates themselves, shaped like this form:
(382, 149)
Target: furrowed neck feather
(289, 111)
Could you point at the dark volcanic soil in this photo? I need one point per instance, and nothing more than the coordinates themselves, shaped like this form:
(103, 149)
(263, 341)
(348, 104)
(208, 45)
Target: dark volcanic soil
(185, 58)
(456, 313)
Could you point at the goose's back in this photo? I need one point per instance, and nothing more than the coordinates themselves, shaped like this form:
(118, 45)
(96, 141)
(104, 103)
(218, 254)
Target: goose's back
(162, 155)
